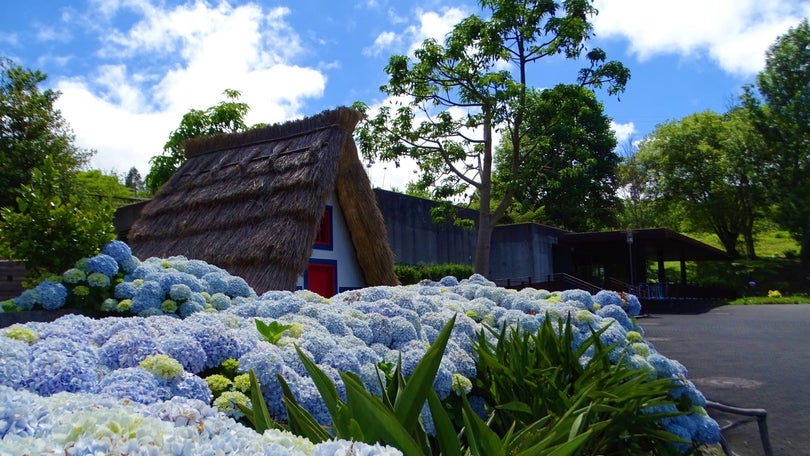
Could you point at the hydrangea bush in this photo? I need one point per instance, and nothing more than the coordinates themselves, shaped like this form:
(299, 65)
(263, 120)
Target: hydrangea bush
(144, 375)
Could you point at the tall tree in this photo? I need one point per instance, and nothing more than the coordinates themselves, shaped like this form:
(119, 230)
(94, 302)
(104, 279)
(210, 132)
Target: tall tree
(459, 93)
(782, 113)
(227, 116)
(702, 165)
(567, 168)
(133, 181)
(30, 130)
(100, 185)
(55, 221)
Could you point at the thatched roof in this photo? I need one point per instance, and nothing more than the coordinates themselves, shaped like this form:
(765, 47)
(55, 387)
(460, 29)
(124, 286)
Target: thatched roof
(252, 202)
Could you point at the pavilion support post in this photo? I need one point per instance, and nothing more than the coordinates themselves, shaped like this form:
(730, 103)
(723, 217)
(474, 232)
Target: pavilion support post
(662, 275)
(683, 268)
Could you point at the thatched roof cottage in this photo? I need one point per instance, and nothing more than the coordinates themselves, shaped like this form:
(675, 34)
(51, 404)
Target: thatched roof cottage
(286, 206)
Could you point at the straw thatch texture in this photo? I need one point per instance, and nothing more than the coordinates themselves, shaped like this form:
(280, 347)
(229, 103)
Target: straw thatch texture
(252, 202)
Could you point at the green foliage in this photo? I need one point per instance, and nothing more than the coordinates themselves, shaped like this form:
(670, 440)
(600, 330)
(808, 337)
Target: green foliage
(781, 114)
(55, 222)
(527, 377)
(566, 170)
(465, 73)
(31, 129)
(257, 414)
(98, 184)
(134, 182)
(392, 419)
(411, 274)
(706, 165)
(271, 332)
(225, 117)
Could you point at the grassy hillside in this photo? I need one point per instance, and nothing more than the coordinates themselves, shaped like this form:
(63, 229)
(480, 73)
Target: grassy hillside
(776, 266)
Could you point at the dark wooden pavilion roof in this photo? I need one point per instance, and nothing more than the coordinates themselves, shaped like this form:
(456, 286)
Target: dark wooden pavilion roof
(655, 243)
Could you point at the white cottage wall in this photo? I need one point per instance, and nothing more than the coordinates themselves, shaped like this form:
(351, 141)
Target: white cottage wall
(349, 275)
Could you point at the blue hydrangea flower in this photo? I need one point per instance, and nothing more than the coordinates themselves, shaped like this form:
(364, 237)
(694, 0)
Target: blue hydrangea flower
(360, 329)
(198, 268)
(104, 264)
(402, 331)
(220, 301)
(192, 387)
(189, 307)
(180, 292)
(127, 348)
(633, 305)
(62, 365)
(125, 290)
(219, 344)
(118, 250)
(581, 296)
(707, 431)
(170, 278)
(50, 295)
(14, 362)
(618, 314)
(237, 286)
(134, 383)
(186, 350)
(216, 282)
(608, 298)
(448, 281)
(150, 295)
(98, 280)
(26, 300)
(380, 327)
(73, 276)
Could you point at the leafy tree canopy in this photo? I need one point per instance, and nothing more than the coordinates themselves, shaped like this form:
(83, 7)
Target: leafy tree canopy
(782, 115)
(31, 129)
(133, 181)
(567, 168)
(55, 222)
(227, 116)
(98, 184)
(705, 164)
(453, 98)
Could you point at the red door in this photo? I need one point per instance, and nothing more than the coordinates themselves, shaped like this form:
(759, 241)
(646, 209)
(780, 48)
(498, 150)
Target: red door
(322, 279)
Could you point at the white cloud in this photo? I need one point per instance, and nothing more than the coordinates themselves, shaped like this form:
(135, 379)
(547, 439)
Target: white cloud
(9, 38)
(623, 132)
(732, 33)
(172, 60)
(122, 138)
(428, 24)
(433, 25)
(45, 33)
(384, 40)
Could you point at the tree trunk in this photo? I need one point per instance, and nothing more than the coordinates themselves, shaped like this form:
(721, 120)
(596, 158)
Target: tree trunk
(483, 242)
(749, 245)
(804, 265)
(729, 243)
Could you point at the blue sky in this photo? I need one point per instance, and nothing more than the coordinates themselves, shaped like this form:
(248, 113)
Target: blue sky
(129, 69)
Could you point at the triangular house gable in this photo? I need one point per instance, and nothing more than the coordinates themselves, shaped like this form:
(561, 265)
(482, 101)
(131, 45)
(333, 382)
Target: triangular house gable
(252, 202)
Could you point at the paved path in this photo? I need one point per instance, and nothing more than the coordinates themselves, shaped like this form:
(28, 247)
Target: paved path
(747, 356)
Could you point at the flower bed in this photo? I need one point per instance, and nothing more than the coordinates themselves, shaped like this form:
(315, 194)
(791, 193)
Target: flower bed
(134, 384)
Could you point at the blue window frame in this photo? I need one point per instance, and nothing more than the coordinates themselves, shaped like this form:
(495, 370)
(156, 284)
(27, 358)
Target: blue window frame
(324, 240)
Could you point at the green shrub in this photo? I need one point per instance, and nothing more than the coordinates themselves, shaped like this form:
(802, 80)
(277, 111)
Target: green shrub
(525, 377)
(411, 274)
(55, 223)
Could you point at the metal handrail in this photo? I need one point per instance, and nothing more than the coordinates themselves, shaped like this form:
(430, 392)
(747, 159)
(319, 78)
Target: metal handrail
(760, 415)
(576, 281)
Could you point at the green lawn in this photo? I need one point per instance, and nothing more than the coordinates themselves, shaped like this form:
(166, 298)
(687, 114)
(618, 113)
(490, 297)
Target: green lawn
(775, 268)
